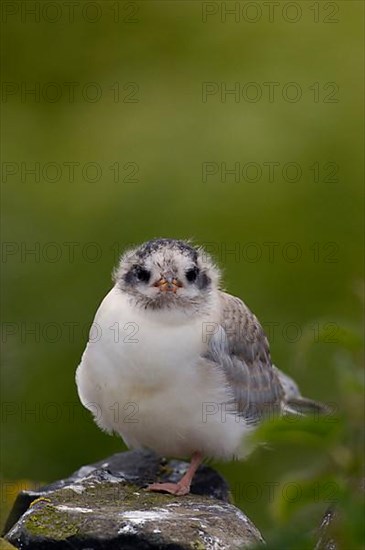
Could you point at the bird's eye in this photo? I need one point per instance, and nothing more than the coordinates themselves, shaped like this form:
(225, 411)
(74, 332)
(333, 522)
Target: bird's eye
(192, 274)
(142, 274)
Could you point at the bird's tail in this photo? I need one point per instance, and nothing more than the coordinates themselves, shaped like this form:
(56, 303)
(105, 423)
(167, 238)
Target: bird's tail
(304, 406)
(294, 402)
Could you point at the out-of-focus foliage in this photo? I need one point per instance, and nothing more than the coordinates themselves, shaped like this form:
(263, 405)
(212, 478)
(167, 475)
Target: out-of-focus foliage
(297, 244)
(309, 466)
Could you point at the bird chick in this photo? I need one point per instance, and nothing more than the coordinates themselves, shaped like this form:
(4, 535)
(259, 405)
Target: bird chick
(178, 365)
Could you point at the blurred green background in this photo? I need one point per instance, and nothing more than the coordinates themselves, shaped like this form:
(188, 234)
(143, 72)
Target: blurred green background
(128, 142)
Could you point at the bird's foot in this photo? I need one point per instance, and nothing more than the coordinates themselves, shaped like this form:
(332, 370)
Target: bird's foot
(182, 487)
(178, 489)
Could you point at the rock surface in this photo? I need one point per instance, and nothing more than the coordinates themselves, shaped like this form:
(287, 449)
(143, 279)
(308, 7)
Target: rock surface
(105, 506)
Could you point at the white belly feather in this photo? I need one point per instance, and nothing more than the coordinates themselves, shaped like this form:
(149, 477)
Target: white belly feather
(143, 377)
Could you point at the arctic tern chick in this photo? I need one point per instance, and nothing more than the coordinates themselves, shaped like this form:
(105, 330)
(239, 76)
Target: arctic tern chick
(176, 365)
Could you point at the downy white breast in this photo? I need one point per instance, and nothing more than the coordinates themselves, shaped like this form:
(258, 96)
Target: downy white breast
(145, 378)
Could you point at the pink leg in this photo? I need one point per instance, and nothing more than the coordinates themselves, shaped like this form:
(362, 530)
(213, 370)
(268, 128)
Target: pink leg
(183, 486)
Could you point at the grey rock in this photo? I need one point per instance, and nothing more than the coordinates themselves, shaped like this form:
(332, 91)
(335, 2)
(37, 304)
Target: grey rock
(105, 506)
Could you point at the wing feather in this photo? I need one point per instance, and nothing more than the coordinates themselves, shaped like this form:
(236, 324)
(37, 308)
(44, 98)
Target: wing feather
(241, 349)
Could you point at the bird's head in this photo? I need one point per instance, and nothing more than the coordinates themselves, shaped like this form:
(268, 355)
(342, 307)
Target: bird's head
(167, 273)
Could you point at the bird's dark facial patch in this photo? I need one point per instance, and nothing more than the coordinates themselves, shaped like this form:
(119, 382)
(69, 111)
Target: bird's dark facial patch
(195, 276)
(142, 274)
(203, 281)
(137, 274)
(192, 274)
(129, 277)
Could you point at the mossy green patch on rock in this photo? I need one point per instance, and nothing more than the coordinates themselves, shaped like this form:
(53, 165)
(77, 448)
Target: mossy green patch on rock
(197, 545)
(48, 521)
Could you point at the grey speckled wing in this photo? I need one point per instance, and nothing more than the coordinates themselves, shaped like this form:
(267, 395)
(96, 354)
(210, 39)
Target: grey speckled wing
(240, 348)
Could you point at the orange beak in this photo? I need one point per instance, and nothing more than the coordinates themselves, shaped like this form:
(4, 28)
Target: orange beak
(168, 284)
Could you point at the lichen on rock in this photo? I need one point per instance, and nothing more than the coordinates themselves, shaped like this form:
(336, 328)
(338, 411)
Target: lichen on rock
(105, 506)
